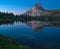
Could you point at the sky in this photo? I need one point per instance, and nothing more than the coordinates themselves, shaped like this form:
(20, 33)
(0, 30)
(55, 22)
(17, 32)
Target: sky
(21, 6)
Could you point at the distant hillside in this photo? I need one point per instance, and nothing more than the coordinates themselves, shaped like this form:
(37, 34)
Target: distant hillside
(7, 43)
(38, 10)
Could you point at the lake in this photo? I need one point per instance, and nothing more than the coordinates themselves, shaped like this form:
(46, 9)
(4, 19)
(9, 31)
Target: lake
(36, 34)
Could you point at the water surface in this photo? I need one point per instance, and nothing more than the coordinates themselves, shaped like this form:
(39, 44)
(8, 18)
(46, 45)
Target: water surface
(32, 34)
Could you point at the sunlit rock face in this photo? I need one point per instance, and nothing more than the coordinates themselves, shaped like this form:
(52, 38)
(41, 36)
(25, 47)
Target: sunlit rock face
(37, 10)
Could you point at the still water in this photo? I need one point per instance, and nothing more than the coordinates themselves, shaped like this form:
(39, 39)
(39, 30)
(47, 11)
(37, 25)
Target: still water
(33, 33)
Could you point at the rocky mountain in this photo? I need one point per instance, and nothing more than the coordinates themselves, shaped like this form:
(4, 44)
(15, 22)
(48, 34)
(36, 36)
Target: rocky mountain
(38, 10)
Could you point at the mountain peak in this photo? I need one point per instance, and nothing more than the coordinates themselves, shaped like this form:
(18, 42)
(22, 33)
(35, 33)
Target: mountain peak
(39, 6)
(38, 10)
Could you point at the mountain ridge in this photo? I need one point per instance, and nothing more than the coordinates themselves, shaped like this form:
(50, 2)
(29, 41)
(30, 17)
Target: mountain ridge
(38, 10)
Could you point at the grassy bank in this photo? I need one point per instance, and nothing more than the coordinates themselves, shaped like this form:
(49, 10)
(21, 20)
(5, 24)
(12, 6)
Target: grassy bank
(7, 43)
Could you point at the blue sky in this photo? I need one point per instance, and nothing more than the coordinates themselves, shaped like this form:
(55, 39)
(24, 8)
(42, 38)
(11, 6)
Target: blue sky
(21, 6)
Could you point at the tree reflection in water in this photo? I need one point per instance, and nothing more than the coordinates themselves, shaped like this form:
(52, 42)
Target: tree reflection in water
(36, 25)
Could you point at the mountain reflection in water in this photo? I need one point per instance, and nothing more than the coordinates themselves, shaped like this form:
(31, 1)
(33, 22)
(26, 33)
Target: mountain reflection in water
(25, 33)
(36, 25)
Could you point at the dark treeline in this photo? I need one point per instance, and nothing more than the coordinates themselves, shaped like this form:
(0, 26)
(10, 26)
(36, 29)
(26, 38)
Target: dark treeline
(42, 18)
(11, 16)
(7, 18)
(7, 15)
